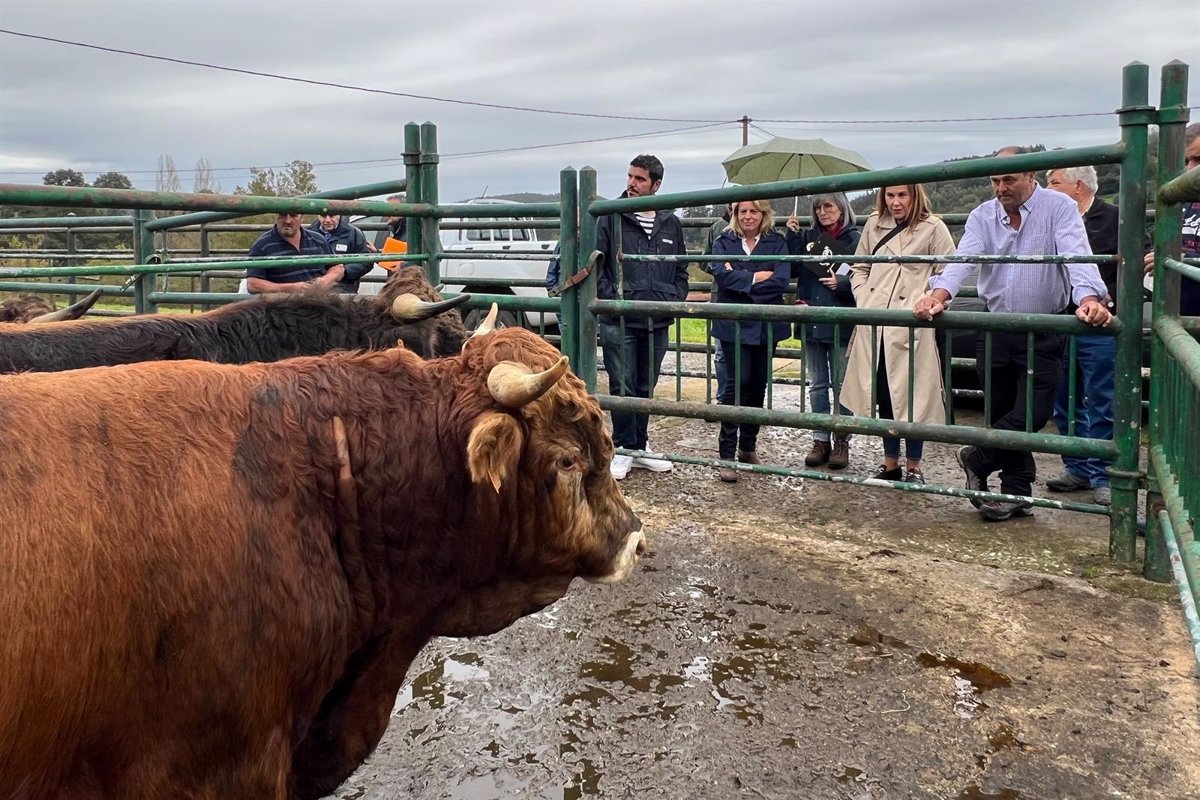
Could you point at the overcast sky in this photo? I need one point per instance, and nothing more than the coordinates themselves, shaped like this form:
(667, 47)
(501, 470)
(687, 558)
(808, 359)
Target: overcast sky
(64, 106)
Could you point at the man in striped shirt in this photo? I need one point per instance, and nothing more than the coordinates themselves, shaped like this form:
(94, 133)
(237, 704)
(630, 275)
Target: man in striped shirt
(288, 237)
(1023, 219)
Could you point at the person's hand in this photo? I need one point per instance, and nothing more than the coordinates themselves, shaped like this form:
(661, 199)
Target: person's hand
(1093, 312)
(793, 224)
(829, 282)
(928, 307)
(728, 267)
(763, 275)
(1148, 263)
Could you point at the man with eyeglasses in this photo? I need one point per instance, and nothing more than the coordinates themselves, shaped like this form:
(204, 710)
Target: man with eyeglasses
(344, 239)
(288, 238)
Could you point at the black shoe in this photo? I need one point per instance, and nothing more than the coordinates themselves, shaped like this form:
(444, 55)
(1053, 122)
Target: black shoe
(1068, 482)
(974, 479)
(998, 510)
(885, 474)
(915, 476)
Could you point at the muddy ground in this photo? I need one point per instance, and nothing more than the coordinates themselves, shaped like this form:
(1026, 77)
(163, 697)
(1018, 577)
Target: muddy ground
(789, 638)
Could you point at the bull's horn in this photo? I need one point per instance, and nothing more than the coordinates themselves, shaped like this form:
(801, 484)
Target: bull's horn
(488, 323)
(74, 311)
(514, 385)
(410, 308)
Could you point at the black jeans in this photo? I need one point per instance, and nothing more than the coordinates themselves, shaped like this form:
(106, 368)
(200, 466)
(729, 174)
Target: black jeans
(632, 372)
(1009, 378)
(752, 370)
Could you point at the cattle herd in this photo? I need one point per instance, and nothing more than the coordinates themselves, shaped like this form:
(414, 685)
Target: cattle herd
(228, 535)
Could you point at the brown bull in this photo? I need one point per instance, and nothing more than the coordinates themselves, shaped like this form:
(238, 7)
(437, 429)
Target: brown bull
(213, 577)
(30, 308)
(268, 328)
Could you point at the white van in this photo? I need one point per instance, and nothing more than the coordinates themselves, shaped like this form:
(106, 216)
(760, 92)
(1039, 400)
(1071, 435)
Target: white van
(457, 273)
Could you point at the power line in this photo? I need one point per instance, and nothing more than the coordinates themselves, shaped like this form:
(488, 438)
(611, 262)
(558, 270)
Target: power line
(365, 162)
(528, 109)
(350, 87)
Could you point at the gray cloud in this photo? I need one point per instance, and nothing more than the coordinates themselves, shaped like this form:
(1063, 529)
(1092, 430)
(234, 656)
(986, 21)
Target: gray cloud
(64, 106)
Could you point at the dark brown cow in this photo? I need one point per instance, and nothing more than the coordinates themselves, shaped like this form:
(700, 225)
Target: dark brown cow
(214, 577)
(29, 308)
(268, 328)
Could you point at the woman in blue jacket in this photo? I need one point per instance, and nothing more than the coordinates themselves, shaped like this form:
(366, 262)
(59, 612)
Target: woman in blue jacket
(833, 231)
(750, 232)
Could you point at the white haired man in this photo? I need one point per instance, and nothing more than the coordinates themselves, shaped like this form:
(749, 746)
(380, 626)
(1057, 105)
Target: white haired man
(1095, 356)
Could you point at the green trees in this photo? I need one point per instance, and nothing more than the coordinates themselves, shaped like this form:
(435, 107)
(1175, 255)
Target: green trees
(292, 179)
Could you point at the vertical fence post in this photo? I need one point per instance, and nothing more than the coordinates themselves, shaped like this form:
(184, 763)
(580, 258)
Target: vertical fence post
(1172, 117)
(586, 290)
(412, 173)
(143, 252)
(429, 194)
(205, 252)
(1135, 116)
(72, 249)
(568, 256)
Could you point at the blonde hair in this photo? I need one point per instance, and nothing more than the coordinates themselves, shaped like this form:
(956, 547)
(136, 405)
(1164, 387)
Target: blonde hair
(768, 220)
(920, 209)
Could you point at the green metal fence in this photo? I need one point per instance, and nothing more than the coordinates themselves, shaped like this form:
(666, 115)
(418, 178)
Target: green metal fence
(1174, 492)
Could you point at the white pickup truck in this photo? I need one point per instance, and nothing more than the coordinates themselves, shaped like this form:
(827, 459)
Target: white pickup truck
(457, 273)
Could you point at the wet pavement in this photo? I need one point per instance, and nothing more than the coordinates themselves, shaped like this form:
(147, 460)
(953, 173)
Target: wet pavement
(786, 638)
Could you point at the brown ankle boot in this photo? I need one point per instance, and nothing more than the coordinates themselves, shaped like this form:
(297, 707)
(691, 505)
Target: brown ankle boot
(750, 457)
(818, 455)
(727, 474)
(839, 457)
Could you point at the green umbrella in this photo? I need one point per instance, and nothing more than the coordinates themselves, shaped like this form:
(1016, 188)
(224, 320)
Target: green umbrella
(783, 159)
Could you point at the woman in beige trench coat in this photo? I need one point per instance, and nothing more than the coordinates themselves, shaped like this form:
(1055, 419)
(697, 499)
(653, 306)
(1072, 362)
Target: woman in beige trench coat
(897, 286)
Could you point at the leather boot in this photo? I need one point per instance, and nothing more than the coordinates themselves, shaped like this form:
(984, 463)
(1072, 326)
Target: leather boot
(727, 474)
(818, 455)
(748, 458)
(839, 457)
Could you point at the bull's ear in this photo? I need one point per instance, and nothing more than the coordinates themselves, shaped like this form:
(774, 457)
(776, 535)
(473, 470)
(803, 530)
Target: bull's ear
(494, 448)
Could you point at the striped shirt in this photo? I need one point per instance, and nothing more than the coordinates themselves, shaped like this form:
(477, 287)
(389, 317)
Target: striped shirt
(646, 220)
(1050, 225)
(272, 243)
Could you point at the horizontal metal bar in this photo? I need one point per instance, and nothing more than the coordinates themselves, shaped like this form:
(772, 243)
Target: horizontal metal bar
(798, 472)
(192, 264)
(509, 302)
(1181, 346)
(487, 255)
(1184, 269)
(346, 193)
(792, 418)
(198, 298)
(54, 255)
(64, 288)
(1183, 188)
(40, 224)
(858, 181)
(966, 320)
(472, 210)
(499, 283)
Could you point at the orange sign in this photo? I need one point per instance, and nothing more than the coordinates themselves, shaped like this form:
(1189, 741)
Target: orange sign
(391, 245)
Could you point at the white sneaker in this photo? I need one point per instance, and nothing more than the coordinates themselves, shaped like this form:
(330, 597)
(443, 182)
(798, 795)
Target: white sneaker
(620, 466)
(652, 464)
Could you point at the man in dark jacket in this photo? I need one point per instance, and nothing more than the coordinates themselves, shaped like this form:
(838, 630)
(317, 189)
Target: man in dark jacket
(833, 232)
(632, 367)
(1095, 356)
(344, 239)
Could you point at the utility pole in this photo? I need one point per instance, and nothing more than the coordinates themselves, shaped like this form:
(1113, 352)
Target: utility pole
(745, 130)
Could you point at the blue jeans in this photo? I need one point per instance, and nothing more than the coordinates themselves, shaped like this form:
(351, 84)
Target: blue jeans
(820, 368)
(1096, 358)
(632, 372)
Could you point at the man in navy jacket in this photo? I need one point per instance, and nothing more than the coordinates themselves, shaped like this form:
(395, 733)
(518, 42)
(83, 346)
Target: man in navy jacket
(344, 239)
(633, 369)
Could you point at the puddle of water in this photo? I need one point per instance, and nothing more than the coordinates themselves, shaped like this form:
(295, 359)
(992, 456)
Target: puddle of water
(586, 782)
(430, 688)
(971, 680)
(849, 775)
(1003, 738)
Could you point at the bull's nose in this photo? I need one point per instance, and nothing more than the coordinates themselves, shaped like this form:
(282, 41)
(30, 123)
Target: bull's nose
(641, 547)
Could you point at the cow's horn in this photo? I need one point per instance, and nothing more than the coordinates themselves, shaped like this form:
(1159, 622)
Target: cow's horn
(410, 308)
(488, 323)
(514, 385)
(70, 312)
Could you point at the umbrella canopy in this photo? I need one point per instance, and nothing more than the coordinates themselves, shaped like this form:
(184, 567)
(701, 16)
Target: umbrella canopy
(783, 159)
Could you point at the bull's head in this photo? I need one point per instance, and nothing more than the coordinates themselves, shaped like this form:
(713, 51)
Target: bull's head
(33, 309)
(539, 459)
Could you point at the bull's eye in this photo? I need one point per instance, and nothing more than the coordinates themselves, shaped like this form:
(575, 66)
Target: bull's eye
(567, 462)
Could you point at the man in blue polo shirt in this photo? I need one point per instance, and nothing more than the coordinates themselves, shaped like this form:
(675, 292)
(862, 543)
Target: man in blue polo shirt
(289, 238)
